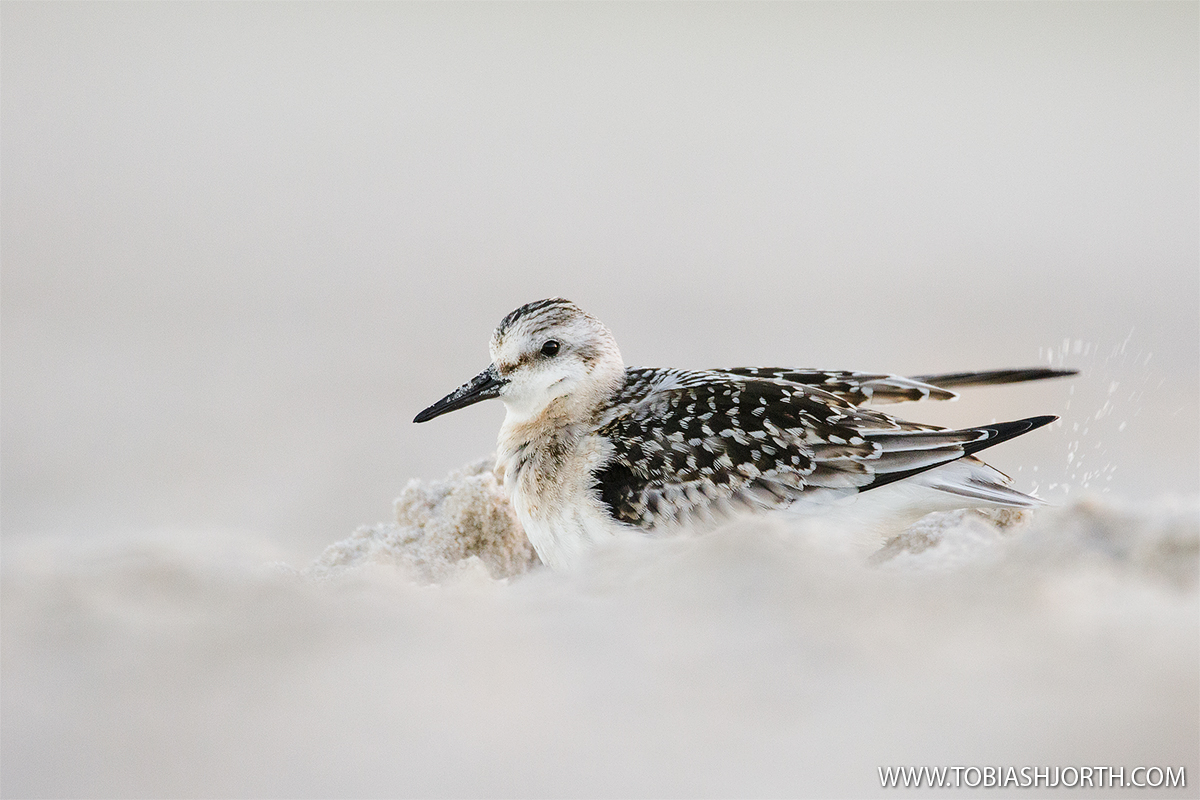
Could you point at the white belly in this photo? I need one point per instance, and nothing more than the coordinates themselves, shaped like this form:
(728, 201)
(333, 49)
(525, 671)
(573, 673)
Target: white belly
(562, 537)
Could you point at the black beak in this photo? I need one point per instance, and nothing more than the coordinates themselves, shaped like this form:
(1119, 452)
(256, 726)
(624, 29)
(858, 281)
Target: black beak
(483, 386)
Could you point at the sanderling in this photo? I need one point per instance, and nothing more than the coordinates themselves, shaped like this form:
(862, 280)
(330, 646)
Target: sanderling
(590, 448)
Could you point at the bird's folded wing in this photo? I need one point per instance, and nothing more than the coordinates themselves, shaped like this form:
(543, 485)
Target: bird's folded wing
(857, 388)
(861, 388)
(694, 446)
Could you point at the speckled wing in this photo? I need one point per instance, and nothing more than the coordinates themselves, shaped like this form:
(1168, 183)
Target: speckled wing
(860, 388)
(857, 388)
(696, 445)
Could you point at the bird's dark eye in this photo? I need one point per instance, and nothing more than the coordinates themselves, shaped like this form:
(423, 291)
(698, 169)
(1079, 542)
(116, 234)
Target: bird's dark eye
(550, 348)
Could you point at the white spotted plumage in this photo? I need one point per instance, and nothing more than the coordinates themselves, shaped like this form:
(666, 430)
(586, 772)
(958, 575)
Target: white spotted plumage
(590, 449)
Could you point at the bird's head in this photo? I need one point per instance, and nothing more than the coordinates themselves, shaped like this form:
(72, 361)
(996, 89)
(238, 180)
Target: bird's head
(542, 353)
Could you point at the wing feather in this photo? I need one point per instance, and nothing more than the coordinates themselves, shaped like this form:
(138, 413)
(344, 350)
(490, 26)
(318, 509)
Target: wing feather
(695, 445)
(856, 388)
(861, 388)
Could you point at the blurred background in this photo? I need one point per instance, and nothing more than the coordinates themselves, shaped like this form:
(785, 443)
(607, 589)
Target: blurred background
(244, 244)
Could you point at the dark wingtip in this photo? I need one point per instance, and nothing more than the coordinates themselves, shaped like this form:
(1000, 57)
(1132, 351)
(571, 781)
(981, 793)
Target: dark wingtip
(994, 377)
(1003, 431)
(997, 433)
(1038, 375)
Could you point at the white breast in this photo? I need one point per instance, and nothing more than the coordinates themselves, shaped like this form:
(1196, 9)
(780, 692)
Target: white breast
(564, 535)
(548, 474)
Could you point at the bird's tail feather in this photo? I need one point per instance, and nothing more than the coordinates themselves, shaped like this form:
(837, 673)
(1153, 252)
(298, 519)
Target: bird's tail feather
(974, 480)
